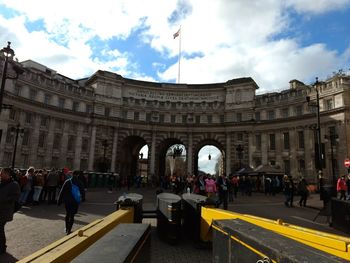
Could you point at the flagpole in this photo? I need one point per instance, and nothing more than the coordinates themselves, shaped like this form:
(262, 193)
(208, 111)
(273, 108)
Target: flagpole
(179, 62)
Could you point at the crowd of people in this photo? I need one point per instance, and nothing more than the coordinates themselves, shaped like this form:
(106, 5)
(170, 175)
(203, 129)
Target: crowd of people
(34, 187)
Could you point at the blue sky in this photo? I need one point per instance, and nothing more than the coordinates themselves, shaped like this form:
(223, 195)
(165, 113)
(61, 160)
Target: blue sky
(272, 41)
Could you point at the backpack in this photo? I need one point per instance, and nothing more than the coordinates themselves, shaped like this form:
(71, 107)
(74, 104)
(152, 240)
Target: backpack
(76, 193)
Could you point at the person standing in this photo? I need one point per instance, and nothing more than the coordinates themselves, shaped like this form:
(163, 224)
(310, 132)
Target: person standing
(303, 192)
(288, 190)
(222, 184)
(341, 187)
(52, 183)
(348, 186)
(9, 194)
(65, 196)
(27, 185)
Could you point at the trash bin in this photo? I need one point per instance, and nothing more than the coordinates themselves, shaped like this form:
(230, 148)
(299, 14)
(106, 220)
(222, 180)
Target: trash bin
(131, 200)
(169, 217)
(91, 179)
(191, 205)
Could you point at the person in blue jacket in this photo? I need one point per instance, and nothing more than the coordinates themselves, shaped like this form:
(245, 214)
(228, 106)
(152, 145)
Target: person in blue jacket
(66, 197)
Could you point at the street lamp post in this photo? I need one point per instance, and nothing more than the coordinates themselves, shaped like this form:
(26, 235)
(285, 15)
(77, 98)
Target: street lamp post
(333, 139)
(8, 53)
(18, 130)
(239, 150)
(318, 130)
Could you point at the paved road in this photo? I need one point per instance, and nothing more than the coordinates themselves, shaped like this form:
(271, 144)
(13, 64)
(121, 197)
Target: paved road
(35, 227)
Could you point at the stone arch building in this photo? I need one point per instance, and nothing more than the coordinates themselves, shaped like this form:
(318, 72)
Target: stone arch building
(105, 117)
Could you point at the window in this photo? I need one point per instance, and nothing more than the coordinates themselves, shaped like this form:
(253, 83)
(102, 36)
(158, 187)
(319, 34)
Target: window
(222, 118)
(272, 162)
(286, 167)
(184, 118)
(25, 162)
(173, 118)
(240, 136)
(83, 164)
(12, 114)
(47, 99)
(329, 104)
(25, 138)
(148, 117)
(44, 121)
(258, 142)
(301, 164)
(40, 161)
(299, 110)
(32, 94)
(58, 124)
(286, 140)
(70, 162)
(271, 115)
(9, 136)
(285, 113)
(107, 112)
(239, 116)
(210, 119)
(57, 141)
(28, 118)
(161, 118)
(55, 162)
(42, 137)
(7, 158)
(88, 108)
(71, 143)
(272, 142)
(198, 119)
(75, 106)
(257, 116)
(85, 145)
(61, 103)
(301, 142)
(136, 116)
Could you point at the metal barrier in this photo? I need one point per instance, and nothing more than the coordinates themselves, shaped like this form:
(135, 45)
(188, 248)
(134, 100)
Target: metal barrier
(333, 244)
(68, 247)
(169, 217)
(238, 241)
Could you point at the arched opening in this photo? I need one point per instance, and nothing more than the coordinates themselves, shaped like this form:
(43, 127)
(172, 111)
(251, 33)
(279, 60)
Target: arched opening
(210, 161)
(142, 178)
(169, 153)
(209, 157)
(129, 159)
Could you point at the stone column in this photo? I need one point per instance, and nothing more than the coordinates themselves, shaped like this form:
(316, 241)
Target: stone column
(92, 149)
(114, 149)
(264, 147)
(309, 155)
(64, 145)
(279, 148)
(293, 144)
(228, 154)
(153, 154)
(49, 143)
(34, 140)
(190, 154)
(78, 144)
(251, 148)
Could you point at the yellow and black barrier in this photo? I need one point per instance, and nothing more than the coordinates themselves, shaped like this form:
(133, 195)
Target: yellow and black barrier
(68, 247)
(333, 244)
(235, 240)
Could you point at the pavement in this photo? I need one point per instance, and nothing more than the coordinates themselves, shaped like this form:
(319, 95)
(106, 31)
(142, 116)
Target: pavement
(35, 227)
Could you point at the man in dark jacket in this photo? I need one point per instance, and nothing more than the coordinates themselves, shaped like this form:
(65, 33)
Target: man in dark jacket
(222, 185)
(9, 194)
(67, 197)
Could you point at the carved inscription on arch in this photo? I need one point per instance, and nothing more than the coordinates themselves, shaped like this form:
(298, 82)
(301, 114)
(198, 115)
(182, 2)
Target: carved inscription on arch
(175, 96)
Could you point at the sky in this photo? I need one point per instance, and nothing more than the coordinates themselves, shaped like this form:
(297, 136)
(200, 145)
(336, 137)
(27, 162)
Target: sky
(272, 41)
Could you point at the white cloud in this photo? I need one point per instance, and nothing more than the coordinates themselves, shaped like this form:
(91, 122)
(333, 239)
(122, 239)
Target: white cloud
(234, 38)
(317, 7)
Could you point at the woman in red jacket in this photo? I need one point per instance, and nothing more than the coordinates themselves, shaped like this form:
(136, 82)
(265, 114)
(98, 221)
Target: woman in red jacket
(341, 187)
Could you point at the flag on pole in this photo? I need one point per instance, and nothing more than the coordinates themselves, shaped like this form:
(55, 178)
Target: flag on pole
(177, 33)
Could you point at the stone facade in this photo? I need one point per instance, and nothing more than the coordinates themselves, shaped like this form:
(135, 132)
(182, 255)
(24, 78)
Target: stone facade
(80, 123)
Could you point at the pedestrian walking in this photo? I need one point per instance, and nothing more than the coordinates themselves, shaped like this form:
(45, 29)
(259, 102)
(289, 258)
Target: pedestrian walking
(288, 190)
(222, 185)
(66, 197)
(341, 187)
(303, 191)
(9, 194)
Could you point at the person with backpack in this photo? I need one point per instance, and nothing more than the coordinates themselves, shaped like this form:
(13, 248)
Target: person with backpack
(9, 194)
(70, 195)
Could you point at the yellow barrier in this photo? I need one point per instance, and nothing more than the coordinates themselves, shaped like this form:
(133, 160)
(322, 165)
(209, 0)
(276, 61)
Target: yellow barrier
(68, 247)
(332, 244)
